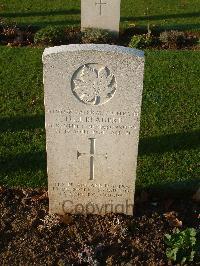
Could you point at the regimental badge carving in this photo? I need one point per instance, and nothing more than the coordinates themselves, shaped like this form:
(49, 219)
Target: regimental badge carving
(93, 84)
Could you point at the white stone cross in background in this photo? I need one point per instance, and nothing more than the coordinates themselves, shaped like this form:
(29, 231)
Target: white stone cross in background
(101, 14)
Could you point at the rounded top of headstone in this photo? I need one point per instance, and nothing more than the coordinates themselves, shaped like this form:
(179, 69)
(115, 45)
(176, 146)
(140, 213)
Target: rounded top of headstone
(93, 47)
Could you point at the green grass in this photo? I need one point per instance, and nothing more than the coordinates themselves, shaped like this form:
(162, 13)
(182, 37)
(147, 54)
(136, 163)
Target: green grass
(170, 14)
(22, 134)
(169, 139)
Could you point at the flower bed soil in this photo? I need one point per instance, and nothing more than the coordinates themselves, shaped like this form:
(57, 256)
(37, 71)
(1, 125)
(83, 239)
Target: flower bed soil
(30, 236)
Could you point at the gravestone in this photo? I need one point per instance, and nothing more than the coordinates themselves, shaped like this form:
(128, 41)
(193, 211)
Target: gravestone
(93, 99)
(102, 14)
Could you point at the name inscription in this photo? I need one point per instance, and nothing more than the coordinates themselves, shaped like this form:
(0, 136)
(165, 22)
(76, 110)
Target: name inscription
(92, 122)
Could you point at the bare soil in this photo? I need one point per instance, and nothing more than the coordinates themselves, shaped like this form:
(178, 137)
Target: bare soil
(30, 236)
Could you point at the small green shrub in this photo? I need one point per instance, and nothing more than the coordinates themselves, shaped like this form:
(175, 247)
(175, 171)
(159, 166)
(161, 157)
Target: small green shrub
(58, 35)
(135, 41)
(182, 246)
(141, 41)
(50, 35)
(92, 35)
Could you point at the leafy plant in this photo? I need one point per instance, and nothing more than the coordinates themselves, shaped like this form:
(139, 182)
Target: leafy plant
(58, 35)
(182, 245)
(50, 35)
(92, 35)
(141, 41)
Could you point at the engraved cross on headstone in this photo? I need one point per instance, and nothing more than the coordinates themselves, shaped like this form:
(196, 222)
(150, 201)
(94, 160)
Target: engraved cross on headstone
(92, 156)
(100, 6)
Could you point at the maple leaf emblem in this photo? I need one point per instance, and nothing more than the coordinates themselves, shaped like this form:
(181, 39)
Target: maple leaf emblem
(94, 86)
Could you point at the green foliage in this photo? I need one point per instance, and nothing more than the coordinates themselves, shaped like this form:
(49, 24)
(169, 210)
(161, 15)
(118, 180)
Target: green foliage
(135, 41)
(182, 245)
(92, 35)
(141, 41)
(50, 35)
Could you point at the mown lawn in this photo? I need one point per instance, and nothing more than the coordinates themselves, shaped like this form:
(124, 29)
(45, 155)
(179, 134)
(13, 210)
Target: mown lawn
(183, 14)
(169, 140)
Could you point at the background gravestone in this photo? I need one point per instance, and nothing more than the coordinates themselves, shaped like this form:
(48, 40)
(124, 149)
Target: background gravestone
(93, 99)
(103, 14)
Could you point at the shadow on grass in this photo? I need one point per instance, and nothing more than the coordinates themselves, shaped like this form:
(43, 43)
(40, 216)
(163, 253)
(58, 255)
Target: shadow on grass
(21, 123)
(76, 22)
(161, 17)
(42, 24)
(171, 142)
(159, 28)
(160, 144)
(181, 27)
(23, 169)
(31, 161)
(40, 14)
(74, 11)
(175, 190)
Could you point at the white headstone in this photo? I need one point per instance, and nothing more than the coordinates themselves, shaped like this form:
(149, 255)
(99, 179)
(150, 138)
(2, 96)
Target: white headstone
(102, 14)
(93, 99)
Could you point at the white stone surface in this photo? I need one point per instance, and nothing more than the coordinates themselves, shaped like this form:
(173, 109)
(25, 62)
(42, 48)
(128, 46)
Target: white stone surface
(103, 14)
(93, 97)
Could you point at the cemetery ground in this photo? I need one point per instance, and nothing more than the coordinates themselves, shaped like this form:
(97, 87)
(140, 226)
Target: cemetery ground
(168, 161)
(30, 236)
